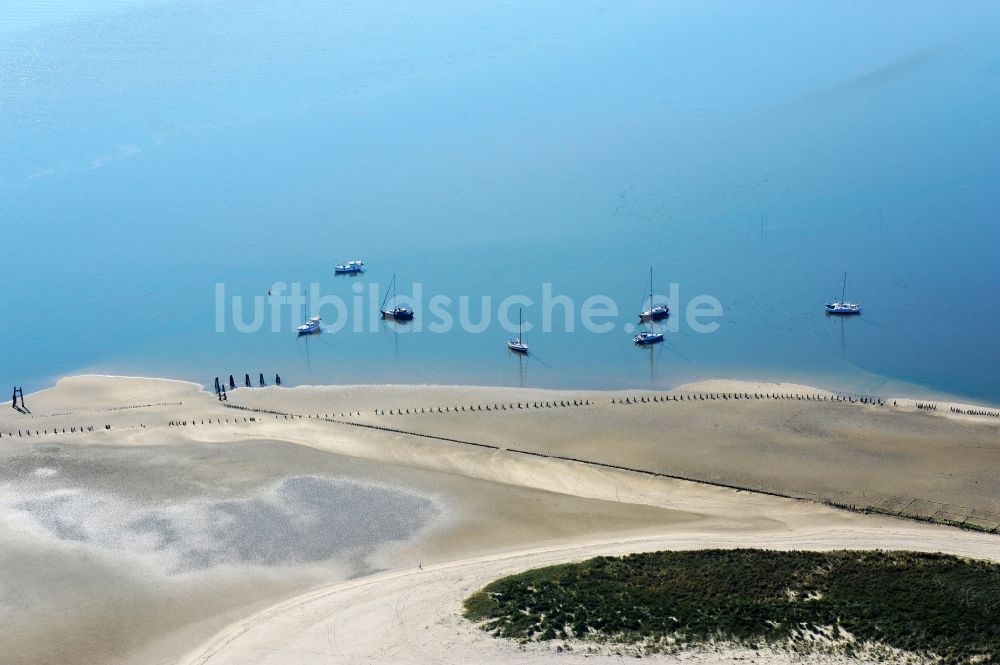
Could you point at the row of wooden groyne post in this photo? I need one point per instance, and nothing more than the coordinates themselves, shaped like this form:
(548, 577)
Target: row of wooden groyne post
(504, 406)
(691, 397)
(217, 421)
(973, 412)
(80, 429)
(641, 399)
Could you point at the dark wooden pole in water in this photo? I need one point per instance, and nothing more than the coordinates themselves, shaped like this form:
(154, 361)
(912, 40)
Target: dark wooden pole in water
(262, 379)
(246, 380)
(277, 380)
(232, 383)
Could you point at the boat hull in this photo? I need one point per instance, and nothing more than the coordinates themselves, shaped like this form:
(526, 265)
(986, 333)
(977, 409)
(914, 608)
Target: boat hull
(655, 315)
(646, 340)
(349, 268)
(517, 347)
(843, 311)
(397, 315)
(310, 327)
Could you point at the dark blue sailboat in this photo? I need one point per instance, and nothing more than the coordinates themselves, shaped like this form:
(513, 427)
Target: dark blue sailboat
(655, 312)
(399, 313)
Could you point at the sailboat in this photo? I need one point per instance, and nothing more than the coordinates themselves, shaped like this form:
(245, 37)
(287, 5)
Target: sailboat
(516, 344)
(397, 313)
(647, 337)
(842, 307)
(310, 326)
(655, 312)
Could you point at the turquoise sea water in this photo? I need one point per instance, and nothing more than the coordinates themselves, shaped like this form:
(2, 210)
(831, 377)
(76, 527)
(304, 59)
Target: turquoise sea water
(152, 150)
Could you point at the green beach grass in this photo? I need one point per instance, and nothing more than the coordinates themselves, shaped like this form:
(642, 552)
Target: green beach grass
(934, 606)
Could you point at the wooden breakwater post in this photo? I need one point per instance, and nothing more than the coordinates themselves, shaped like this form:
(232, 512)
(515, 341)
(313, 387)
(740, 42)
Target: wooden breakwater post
(246, 380)
(262, 384)
(18, 392)
(277, 379)
(232, 383)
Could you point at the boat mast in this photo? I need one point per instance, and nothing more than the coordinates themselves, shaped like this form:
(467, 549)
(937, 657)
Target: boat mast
(520, 335)
(649, 320)
(650, 289)
(387, 292)
(843, 290)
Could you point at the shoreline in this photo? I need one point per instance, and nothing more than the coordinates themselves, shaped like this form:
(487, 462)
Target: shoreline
(866, 383)
(708, 385)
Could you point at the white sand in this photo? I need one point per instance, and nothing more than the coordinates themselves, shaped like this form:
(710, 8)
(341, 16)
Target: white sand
(413, 616)
(173, 448)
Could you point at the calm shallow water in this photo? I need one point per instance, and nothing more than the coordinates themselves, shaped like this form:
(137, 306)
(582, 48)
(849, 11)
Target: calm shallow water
(150, 150)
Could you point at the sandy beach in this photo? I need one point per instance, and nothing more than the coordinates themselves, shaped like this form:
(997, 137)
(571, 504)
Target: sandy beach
(409, 616)
(166, 519)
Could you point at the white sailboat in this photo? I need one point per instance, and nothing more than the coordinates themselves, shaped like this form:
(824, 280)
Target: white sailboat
(517, 344)
(647, 337)
(842, 306)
